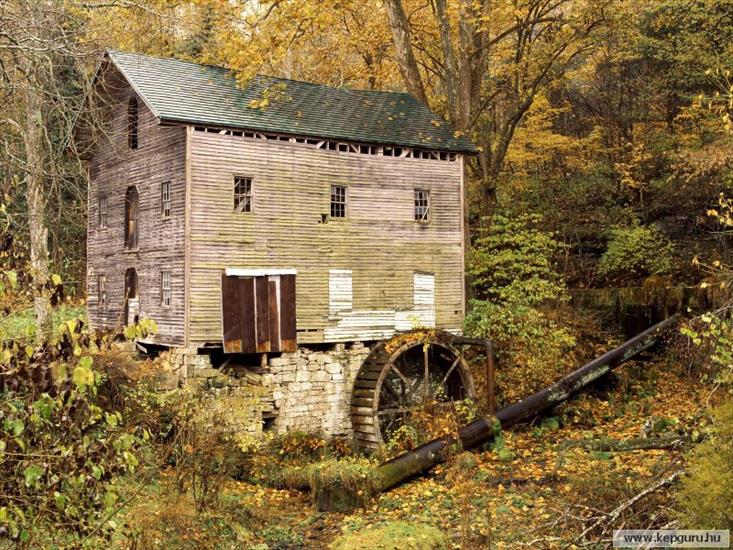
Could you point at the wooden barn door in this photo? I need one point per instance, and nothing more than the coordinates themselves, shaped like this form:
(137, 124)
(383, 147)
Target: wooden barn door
(258, 313)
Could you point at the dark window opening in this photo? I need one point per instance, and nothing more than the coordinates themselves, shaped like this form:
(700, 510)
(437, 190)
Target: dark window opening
(131, 218)
(132, 302)
(132, 123)
(165, 288)
(338, 201)
(165, 199)
(102, 290)
(242, 194)
(422, 205)
(103, 212)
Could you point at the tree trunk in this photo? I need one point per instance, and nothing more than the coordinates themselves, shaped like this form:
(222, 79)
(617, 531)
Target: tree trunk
(403, 50)
(34, 147)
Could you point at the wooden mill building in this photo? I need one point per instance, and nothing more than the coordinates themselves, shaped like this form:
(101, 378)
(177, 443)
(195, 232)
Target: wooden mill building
(282, 213)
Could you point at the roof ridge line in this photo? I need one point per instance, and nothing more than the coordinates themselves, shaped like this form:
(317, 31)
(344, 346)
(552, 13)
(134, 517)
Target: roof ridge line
(261, 75)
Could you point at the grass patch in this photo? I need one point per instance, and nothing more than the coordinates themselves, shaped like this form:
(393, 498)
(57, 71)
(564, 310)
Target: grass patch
(335, 485)
(396, 535)
(342, 486)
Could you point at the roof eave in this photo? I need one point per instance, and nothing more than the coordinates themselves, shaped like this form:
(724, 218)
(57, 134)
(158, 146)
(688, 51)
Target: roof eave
(188, 121)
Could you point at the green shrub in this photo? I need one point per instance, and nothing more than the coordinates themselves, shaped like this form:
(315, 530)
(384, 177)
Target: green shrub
(516, 278)
(636, 251)
(62, 446)
(705, 496)
(396, 535)
(515, 263)
(211, 442)
(711, 336)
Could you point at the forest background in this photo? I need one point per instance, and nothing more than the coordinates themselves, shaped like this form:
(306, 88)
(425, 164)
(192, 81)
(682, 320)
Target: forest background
(603, 127)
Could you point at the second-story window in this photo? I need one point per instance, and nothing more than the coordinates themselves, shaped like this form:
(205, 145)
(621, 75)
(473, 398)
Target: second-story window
(242, 194)
(165, 288)
(422, 205)
(132, 123)
(102, 290)
(131, 215)
(102, 212)
(165, 199)
(338, 201)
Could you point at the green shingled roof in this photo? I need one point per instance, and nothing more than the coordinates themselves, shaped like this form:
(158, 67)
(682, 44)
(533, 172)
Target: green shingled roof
(179, 91)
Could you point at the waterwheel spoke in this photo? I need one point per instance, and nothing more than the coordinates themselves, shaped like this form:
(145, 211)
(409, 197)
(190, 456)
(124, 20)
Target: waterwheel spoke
(416, 384)
(399, 373)
(389, 424)
(390, 389)
(447, 375)
(397, 410)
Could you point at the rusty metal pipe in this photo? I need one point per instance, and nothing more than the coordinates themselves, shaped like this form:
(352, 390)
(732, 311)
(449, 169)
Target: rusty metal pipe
(406, 465)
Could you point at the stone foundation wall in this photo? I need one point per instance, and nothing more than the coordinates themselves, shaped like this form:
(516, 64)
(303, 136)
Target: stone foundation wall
(312, 388)
(308, 390)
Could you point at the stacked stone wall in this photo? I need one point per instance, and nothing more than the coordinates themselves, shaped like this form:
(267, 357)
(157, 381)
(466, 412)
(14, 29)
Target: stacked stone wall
(307, 390)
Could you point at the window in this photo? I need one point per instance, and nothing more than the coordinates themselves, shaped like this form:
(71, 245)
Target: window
(132, 123)
(165, 288)
(165, 199)
(242, 194)
(338, 201)
(422, 205)
(131, 225)
(103, 212)
(102, 289)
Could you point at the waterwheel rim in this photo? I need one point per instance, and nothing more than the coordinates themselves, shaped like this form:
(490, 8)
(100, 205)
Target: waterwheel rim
(396, 381)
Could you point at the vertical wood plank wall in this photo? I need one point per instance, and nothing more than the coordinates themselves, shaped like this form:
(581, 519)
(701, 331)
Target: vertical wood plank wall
(113, 168)
(379, 241)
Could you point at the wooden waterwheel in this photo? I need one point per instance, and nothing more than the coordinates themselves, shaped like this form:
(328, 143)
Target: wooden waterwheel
(403, 375)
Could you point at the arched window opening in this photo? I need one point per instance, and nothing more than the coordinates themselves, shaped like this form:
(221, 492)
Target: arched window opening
(131, 214)
(132, 123)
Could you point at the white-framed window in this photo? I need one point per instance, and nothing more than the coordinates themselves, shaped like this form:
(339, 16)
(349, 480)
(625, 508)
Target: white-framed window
(422, 205)
(102, 212)
(102, 289)
(165, 288)
(242, 194)
(165, 200)
(338, 201)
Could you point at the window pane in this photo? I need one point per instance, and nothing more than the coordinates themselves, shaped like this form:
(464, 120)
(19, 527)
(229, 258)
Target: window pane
(165, 288)
(131, 214)
(102, 289)
(165, 199)
(422, 205)
(242, 194)
(103, 212)
(338, 201)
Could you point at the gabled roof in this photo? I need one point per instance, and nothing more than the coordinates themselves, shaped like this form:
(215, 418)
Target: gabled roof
(184, 92)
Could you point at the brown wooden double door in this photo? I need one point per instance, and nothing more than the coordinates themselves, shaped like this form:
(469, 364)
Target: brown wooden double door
(258, 313)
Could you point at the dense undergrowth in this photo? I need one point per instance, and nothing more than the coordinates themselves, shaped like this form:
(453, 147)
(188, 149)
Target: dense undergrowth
(100, 453)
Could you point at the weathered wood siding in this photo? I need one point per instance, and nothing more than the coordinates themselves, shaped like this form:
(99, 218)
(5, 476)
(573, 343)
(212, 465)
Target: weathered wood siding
(113, 168)
(379, 241)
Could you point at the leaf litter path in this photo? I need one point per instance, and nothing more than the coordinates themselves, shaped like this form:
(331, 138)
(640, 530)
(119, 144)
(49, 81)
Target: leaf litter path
(526, 493)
